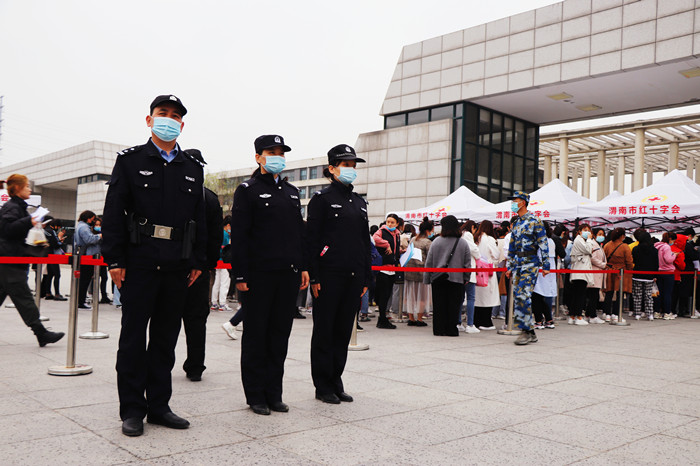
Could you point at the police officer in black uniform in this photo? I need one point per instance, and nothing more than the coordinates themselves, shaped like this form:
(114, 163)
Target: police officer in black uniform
(194, 317)
(154, 237)
(269, 267)
(340, 270)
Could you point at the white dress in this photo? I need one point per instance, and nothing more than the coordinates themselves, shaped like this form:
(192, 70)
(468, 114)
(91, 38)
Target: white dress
(488, 296)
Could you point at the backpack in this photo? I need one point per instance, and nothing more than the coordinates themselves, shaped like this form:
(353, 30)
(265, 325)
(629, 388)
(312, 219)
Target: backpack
(376, 258)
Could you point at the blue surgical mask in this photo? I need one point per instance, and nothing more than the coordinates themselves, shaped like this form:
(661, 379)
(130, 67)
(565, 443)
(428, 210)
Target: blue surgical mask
(514, 207)
(347, 175)
(391, 229)
(585, 235)
(600, 239)
(98, 229)
(274, 164)
(431, 236)
(166, 129)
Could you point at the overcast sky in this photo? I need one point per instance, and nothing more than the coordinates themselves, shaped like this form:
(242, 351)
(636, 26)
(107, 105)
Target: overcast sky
(315, 72)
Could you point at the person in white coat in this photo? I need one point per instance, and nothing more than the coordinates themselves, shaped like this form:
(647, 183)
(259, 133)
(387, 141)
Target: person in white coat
(468, 229)
(545, 288)
(486, 297)
(580, 260)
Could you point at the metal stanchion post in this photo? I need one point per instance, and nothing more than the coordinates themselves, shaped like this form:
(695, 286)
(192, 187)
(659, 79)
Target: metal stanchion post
(71, 368)
(695, 288)
(509, 329)
(37, 298)
(621, 301)
(353, 346)
(95, 334)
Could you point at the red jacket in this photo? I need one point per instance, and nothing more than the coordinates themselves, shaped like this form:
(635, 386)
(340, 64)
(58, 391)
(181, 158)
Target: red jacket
(679, 247)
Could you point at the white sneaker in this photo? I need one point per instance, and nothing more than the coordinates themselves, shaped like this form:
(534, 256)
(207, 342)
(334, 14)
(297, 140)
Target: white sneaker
(461, 328)
(607, 318)
(696, 315)
(472, 329)
(651, 317)
(580, 321)
(487, 328)
(225, 308)
(667, 316)
(570, 321)
(615, 319)
(637, 317)
(596, 320)
(230, 330)
(630, 314)
(673, 316)
(214, 307)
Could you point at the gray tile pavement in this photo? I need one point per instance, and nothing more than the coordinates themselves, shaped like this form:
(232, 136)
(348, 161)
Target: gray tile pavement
(590, 395)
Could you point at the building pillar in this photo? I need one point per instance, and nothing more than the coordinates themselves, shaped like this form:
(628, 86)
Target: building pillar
(672, 157)
(690, 167)
(547, 169)
(638, 174)
(602, 174)
(574, 180)
(606, 180)
(587, 177)
(697, 171)
(555, 170)
(620, 181)
(564, 160)
(650, 175)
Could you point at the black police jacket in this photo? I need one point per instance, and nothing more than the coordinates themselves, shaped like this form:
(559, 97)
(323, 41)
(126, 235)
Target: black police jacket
(267, 230)
(159, 193)
(338, 233)
(215, 227)
(15, 223)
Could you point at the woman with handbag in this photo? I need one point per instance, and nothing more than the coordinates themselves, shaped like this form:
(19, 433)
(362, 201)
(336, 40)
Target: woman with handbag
(417, 299)
(581, 253)
(618, 256)
(598, 262)
(487, 295)
(468, 230)
(447, 251)
(388, 242)
(15, 223)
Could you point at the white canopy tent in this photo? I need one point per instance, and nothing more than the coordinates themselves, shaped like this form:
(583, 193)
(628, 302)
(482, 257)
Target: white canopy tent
(461, 203)
(554, 202)
(672, 202)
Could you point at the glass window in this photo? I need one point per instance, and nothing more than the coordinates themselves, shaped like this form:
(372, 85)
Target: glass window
(441, 113)
(420, 116)
(531, 142)
(471, 123)
(320, 171)
(519, 138)
(507, 171)
(496, 131)
(496, 157)
(456, 174)
(459, 110)
(303, 174)
(457, 138)
(484, 127)
(302, 193)
(530, 175)
(508, 138)
(469, 162)
(313, 173)
(394, 121)
(303, 211)
(483, 165)
(482, 191)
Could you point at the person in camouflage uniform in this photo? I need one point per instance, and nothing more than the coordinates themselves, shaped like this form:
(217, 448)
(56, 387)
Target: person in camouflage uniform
(528, 237)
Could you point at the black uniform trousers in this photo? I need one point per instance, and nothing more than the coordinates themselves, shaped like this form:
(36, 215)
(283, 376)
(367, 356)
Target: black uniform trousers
(269, 311)
(447, 302)
(13, 283)
(86, 274)
(334, 314)
(194, 319)
(158, 297)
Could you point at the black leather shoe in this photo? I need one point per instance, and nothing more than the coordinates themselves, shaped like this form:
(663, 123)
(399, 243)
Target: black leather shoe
(385, 324)
(330, 398)
(342, 396)
(170, 420)
(132, 427)
(260, 409)
(195, 377)
(48, 337)
(279, 407)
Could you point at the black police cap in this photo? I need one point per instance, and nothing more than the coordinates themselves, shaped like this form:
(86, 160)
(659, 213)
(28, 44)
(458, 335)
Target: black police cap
(342, 152)
(171, 99)
(268, 141)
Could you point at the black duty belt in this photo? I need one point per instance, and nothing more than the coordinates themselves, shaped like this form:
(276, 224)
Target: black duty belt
(525, 254)
(159, 231)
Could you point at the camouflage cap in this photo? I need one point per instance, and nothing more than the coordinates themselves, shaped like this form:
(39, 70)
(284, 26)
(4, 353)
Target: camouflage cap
(520, 195)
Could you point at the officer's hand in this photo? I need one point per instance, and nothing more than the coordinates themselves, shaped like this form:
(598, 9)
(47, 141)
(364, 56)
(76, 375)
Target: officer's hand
(364, 290)
(508, 274)
(193, 276)
(117, 276)
(304, 280)
(243, 286)
(315, 288)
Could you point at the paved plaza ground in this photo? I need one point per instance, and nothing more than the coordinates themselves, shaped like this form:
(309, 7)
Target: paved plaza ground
(583, 395)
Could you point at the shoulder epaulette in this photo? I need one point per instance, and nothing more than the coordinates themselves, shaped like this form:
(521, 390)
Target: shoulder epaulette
(325, 190)
(249, 183)
(188, 156)
(127, 151)
(290, 184)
